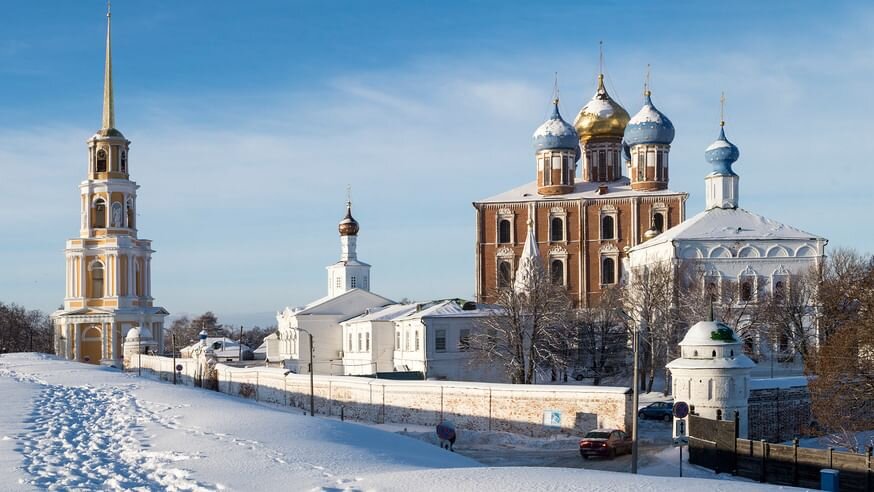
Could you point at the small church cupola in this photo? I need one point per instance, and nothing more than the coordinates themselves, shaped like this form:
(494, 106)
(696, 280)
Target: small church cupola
(722, 182)
(600, 124)
(556, 148)
(649, 135)
(348, 273)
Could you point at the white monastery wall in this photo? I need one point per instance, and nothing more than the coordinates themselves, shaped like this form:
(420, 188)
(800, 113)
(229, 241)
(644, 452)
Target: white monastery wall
(477, 406)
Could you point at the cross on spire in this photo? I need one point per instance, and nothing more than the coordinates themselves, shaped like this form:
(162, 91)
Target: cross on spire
(722, 109)
(646, 91)
(600, 57)
(555, 89)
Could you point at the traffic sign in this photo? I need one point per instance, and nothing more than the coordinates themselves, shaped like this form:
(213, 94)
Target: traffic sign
(681, 409)
(179, 367)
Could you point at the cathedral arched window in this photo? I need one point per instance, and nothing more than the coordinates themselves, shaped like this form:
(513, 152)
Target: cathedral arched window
(504, 274)
(658, 220)
(97, 279)
(98, 214)
(608, 227)
(608, 271)
(556, 229)
(130, 213)
(779, 291)
(123, 161)
(101, 161)
(746, 291)
(557, 272)
(504, 231)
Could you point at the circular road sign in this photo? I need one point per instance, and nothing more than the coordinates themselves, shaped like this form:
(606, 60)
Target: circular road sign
(179, 367)
(681, 409)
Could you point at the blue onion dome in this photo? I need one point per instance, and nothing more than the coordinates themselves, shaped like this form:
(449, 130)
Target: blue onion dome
(649, 126)
(601, 116)
(722, 154)
(555, 133)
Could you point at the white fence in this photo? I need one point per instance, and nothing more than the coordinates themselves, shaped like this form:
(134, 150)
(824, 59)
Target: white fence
(536, 410)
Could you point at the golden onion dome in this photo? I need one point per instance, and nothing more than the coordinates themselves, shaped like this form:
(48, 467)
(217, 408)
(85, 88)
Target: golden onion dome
(348, 226)
(602, 116)
(650, 233)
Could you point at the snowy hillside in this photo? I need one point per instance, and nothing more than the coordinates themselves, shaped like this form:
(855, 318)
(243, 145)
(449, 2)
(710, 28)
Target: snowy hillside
(66, 425)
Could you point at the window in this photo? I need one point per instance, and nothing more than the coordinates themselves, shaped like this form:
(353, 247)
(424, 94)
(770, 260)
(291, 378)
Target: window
(360, 342)
(658, 220)
(608, 271)
(440, 340)
(659, 169)
(98, 214)
(367, 341)
(779, 291)
(547, 171)
(641, 166)
(746, 291)
(138, 279)
(397, 340)
(97, 279)
(557, 229)
(504, 274)
(711, 291)
(350, 342)
(101, 161)
(607, 227)
(339, 282)
(130, 213)
(602, 165)
(407, 341)
(416, 339)
(709, 389)
(504, 231)
(556, 270)
(464, 339)
(123, 161)
(365, 282)
(353, 281)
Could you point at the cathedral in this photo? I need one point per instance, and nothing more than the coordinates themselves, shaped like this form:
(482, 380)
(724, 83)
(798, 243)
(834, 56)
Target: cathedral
(108, 268)
(583, 220)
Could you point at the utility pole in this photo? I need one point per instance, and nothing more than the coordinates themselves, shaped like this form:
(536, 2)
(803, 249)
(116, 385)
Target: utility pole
(635, 396)
(312, 385)
(240, 359)
(173, 347)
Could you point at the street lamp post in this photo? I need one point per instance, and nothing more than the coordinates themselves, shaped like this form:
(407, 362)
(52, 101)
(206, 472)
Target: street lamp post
(312, 385)
(635, 386)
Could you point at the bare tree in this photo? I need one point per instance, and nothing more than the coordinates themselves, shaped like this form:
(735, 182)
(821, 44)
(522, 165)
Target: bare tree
(602, 335)
(23, 330)
(650, 296)
(843, 365)
(529, 329)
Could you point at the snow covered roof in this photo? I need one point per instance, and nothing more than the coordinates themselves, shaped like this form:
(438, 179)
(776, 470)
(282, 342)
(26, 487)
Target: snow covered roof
(778, 383)
(582, 190)
(649, 125)
(221, 346)
(451, 308)
(709, 333)
(529, 262)
(555, 133)
(728, 224)
(325, 303)
(385, 313)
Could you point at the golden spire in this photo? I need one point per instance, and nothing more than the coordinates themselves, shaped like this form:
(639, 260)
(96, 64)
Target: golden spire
(722, 109)
(108, 103)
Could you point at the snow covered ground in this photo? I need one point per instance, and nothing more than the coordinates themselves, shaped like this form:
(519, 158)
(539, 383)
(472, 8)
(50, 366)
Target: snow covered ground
(70, 426)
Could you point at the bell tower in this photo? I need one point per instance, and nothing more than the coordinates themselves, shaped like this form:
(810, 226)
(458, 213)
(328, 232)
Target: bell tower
(108, 268)
(348, 273)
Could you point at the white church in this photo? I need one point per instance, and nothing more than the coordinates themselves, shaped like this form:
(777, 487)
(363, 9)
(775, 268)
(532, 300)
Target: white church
(357, 332)
(733, 248)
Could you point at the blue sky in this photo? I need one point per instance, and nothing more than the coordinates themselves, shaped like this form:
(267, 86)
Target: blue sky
(249, 119)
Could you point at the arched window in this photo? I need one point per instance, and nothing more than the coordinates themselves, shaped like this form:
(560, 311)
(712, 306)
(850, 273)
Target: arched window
(779, 291)
(557, 229)
(504, 274)
(718, 414)
(608, 271)
(709, 389)
(138, 279)
(504, 231)
(101, 161)
(123, 161)
(711, 291)
(713, 354)
(98, 214)
(97, 279)
(607, 227)
(658, 221)
(360, 342)
(557, 272)
(746, 291)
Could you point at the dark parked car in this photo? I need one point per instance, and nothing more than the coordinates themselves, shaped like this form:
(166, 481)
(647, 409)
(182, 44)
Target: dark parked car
(660, 410)
(605, 442)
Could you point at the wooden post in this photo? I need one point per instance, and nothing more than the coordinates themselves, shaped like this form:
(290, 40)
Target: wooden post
(736, 435)
(795, 461)
(868, 478)
(831, 452)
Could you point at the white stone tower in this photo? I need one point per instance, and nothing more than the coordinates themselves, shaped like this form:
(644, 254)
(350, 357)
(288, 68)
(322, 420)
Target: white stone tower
(108, 289)
(348, 273)
(713, 374)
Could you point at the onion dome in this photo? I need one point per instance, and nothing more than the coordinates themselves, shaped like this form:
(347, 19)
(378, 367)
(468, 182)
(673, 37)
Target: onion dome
(650, 233)
(649, 126)
(722, 154)
(348, 226)
(601, 116)
(555, 133)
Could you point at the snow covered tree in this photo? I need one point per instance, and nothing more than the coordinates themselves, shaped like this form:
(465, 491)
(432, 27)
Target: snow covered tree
(601, 336)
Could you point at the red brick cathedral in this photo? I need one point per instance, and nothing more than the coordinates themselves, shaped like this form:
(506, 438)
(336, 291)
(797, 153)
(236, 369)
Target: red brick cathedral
(583, 221)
